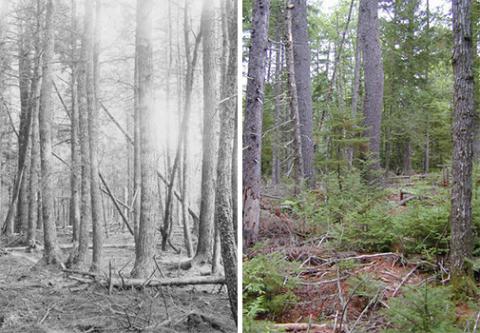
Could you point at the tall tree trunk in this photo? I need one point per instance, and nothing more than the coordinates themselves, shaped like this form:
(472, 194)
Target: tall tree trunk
(35, 149)
(223, 204)
(93, 78)
(79, 258)
(277, 88)
(293, 102)
(356, 84)
(302, 63)
(373, 68)
(235, 178)
(209, 159)
(24, 146)
(51, 254)
(461, 243)
(252, 129)
(75, 168)
(145, 245)
(426, 158)
(137, 179)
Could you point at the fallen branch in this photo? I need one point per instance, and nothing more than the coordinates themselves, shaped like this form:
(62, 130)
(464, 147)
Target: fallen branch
(405, 279)
(110, 194)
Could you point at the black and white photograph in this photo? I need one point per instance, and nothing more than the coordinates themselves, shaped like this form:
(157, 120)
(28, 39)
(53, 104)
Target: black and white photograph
(118, 166)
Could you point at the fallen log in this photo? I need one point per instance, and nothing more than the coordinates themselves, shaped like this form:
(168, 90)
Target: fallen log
(139, 283)
(404, 201)
(301, 327)
(69, 246)
(119, 283)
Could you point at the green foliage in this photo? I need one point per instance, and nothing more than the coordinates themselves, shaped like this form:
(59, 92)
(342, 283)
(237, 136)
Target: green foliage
(422, 310)
(424, 229)
(267, 286)
(362, 219)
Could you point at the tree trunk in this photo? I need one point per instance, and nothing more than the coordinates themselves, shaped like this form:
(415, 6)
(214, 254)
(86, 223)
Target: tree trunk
(223, 204)
(293, 102)
(355, 85)
(209, 161)
(461, 243)
(79, 256)
(51, 254)
(145, 245)
(278, 105)
(35, 149)
(93, 81)
(373, 68)
(302, 63)
(75, 168)
(24, 146)
(252, 129)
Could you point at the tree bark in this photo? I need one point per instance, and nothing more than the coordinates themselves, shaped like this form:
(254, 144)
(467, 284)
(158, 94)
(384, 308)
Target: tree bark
(93, 89)
(209, 161)
(223, 203)
(252, 129)
(75, 166)
(35, 149)
(145, 244)
(293, 102)
(461, 243)
(51, 255)
(356, 84)
(79, 255)
(373, 68)
(277, 88)
(24, 144)
(302, 63)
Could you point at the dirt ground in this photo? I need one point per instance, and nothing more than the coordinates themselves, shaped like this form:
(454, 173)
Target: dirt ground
(37, 299)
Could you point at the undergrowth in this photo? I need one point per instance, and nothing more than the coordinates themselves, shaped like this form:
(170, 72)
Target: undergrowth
(365, 219)
(422, 310)
(268, 286)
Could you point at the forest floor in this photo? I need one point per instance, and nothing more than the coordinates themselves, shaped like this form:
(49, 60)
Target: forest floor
(338, 291)
(39, 299)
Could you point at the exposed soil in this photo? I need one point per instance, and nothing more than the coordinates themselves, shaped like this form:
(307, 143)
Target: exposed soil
(42, 299)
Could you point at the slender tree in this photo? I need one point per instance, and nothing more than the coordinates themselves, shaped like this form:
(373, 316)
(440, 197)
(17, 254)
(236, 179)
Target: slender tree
(302, 63)
(252, 128)
(51, 254)
(35, 156)
(78, 257)
(293, 101)
(24, 143)
(92, 97)
(207, 204)
(461, 243)
(145, 244)
(373, 69)
(75, 169)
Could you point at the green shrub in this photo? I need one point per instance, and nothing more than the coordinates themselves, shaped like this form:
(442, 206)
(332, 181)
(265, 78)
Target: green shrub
(422, 310)
(424, 228)
(267, 286)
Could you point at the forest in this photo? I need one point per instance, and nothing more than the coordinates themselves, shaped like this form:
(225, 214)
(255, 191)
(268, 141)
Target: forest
(118, 175)
(361, 166)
